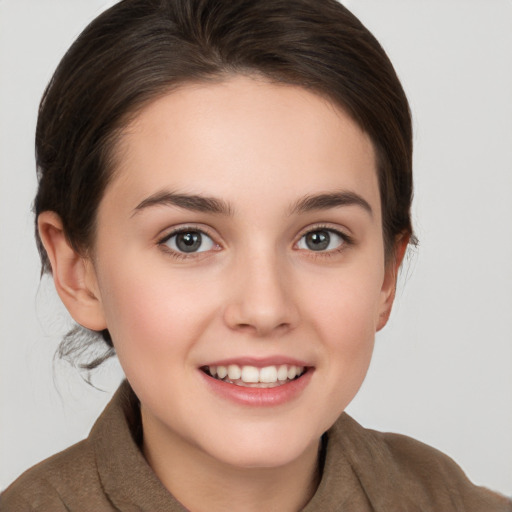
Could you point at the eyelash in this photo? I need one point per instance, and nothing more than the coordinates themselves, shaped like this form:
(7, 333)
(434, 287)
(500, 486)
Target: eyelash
(347, 241)
(182, 255)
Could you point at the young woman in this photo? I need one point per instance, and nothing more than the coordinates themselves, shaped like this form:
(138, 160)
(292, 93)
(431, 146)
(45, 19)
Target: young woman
(224, 202)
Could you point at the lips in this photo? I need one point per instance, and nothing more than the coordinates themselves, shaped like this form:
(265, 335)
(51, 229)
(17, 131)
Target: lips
(252, 376)
(252, 382)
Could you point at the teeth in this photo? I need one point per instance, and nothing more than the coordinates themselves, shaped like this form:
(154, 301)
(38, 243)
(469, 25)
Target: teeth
(254, 375)
(268, 374)
(282, 373)
(234, 372)
(250, 374)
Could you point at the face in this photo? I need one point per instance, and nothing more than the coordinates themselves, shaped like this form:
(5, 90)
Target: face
(239, 265)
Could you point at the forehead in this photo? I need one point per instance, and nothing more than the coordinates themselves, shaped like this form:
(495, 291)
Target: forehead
(244, 137)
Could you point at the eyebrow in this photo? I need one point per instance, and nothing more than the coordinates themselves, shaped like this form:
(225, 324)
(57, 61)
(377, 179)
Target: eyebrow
(330, 200)
(195, 203)
(206, 204)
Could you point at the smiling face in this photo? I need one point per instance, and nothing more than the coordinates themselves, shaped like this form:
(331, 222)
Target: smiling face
(241, 239)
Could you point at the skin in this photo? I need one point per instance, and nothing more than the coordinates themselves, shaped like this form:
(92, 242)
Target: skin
(256, 290)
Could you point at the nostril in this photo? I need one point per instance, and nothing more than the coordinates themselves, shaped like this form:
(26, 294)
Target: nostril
(262, 329)
(245, 328)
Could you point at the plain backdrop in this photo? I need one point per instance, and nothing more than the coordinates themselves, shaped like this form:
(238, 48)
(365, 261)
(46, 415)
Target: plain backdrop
(442, 370)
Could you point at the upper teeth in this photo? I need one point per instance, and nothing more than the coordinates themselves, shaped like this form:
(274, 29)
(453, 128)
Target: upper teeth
(252, 374)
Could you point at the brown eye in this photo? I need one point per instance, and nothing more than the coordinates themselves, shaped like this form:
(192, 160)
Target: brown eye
(321, 240)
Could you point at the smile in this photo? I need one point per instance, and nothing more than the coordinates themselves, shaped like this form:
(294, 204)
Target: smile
(254, 377)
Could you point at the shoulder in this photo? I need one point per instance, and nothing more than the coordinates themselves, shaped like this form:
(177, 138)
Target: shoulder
(103, 473)
(65, 481)
(398, 469)
(432, 467)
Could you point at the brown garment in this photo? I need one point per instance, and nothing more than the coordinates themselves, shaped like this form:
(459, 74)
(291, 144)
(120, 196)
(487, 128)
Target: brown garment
(364, 471)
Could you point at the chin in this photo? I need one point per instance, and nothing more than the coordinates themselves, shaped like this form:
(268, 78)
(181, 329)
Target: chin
(264, 450)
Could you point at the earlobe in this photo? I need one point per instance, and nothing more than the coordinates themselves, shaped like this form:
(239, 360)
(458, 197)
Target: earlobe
(389, 285)
(73, 275)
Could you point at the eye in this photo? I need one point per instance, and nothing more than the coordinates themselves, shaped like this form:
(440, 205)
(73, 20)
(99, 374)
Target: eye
(189, 241)
(321, 240)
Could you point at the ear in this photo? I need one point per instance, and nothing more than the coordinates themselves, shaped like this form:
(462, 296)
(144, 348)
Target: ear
(73, 275)
(388, 291)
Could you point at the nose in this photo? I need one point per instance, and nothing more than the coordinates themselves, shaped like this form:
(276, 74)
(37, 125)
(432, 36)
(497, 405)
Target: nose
(262, 300)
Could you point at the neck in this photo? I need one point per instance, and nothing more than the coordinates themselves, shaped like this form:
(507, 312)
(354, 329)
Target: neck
(202, 483)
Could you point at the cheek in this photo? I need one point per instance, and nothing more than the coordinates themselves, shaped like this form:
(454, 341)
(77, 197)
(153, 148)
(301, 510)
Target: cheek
(348, 330)
(150, 312)
(343, 313)
(347, 305)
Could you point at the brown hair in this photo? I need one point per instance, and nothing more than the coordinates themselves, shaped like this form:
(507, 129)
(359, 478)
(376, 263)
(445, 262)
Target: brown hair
(140, 49)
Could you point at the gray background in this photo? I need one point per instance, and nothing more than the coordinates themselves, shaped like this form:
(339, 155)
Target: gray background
(442, 370)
